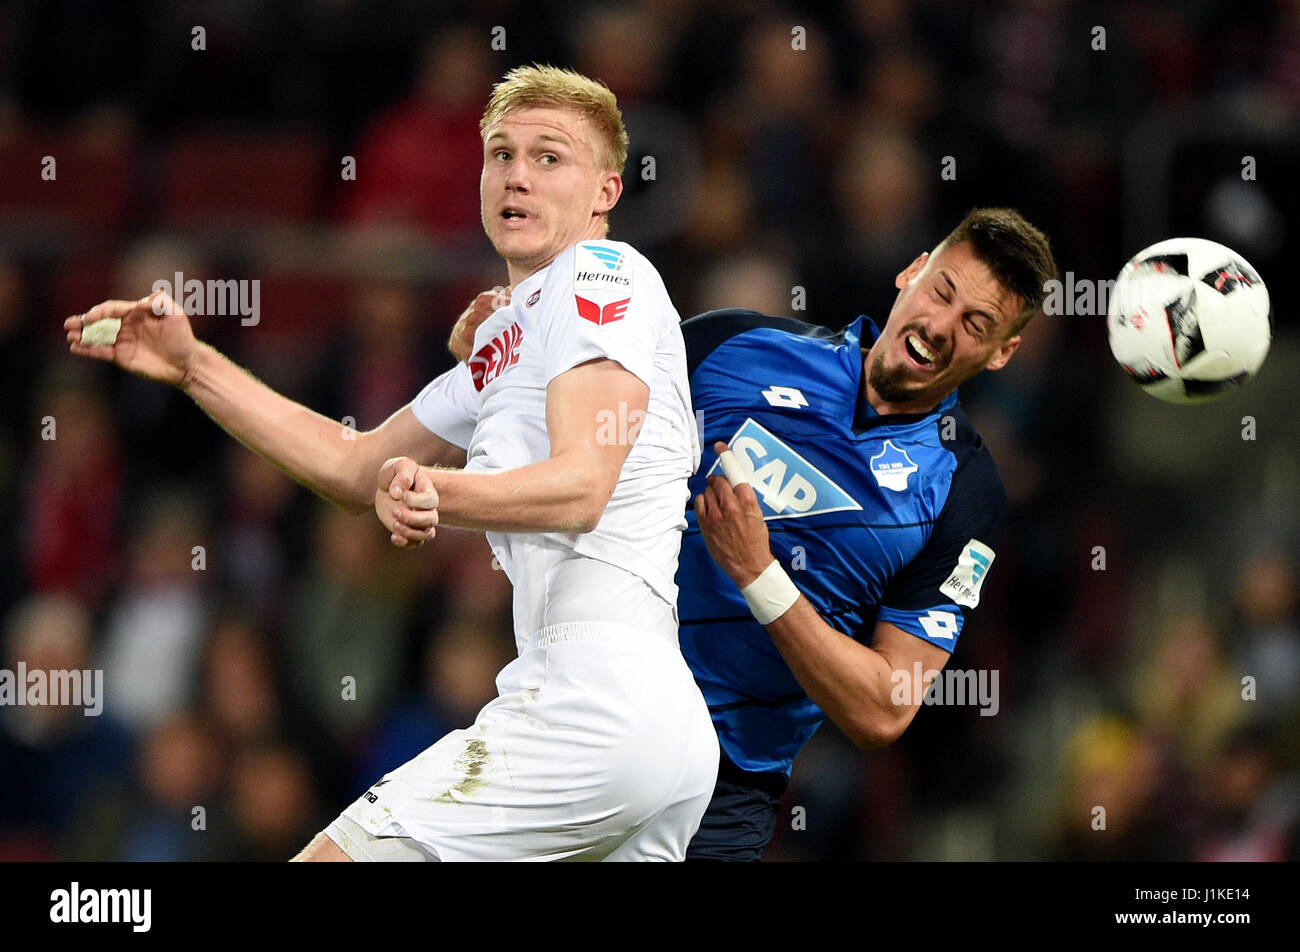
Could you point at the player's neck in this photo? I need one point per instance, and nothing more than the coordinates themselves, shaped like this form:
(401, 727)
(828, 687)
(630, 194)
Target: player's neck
(518, 271)
(521, 270)
(886, 407)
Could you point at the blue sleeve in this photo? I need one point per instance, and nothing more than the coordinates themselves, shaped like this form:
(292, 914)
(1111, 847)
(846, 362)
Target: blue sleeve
(929, 598)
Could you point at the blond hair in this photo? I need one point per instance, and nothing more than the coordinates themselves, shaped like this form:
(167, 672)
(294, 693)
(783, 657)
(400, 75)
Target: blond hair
(530, 86)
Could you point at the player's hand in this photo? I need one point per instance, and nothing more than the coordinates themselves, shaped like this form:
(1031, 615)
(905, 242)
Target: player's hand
(733, 528)
(461, 343)
(407, 502)
(155, 340)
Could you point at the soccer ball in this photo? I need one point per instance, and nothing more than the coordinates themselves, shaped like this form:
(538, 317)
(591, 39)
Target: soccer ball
(1188, 320)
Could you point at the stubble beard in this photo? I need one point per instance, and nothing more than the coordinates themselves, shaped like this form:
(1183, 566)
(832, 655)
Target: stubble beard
(891, 386)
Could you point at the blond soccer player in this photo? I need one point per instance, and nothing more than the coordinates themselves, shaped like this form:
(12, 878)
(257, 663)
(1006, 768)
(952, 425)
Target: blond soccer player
(568, 438)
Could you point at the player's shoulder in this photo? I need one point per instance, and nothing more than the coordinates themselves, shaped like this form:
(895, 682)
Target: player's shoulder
(604, 265)
(706, 332)
(976, 481)
(604, 253)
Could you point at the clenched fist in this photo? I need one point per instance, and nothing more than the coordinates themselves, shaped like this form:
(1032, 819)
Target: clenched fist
(406, 502)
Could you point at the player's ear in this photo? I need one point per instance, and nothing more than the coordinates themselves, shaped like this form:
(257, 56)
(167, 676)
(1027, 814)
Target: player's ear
(912, 270)
(1003, 354)
(611, 188)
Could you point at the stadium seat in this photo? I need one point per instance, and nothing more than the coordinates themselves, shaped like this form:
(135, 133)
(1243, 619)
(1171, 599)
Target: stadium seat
(90, 189)
(296, 305)
(239, 177)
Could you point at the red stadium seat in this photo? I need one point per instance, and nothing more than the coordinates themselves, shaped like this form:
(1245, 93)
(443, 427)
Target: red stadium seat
(305, 307)
(90, 190)
(298, 314)
(240, 177)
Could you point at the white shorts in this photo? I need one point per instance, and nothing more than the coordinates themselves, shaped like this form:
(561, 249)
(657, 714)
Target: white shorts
(599, 746)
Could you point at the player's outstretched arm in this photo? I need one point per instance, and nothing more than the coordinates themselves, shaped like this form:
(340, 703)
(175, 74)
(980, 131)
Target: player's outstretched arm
(567, 492)
(854, 684)
(155, 341)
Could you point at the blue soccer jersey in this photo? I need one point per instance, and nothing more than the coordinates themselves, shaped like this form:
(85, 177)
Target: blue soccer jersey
(874, 517)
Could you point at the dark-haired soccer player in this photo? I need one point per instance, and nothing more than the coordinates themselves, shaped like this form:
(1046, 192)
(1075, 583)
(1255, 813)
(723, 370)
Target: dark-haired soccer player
(867, 482)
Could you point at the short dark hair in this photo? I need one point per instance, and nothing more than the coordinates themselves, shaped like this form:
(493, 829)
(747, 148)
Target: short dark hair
(1015, 251)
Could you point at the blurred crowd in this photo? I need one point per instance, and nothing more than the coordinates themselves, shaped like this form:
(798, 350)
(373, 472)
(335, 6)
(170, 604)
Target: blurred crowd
(266, 657)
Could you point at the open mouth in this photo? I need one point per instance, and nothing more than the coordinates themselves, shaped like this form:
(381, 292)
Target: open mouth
(511, 214)
(920, 354)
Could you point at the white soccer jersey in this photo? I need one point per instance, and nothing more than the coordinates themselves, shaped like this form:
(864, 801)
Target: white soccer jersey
(596, 299)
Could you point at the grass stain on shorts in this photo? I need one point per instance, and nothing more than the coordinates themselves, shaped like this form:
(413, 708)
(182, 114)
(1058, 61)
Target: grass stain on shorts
(471, 762)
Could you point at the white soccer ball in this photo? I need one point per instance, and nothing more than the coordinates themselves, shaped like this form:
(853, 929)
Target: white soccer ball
(1189, 320)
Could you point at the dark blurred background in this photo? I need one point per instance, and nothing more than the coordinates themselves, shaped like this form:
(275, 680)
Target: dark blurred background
(774, 168)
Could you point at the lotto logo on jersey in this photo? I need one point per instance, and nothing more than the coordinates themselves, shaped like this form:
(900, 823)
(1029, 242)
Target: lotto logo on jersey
(968, 576)
(495, 358)
(591, 311)
(598, 267)
(787, 485)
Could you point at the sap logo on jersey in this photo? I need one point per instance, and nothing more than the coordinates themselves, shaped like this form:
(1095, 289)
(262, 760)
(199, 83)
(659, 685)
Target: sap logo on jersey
(787, 485)
(892, 466)
(599, 267)
(965, 581)
(494, 359)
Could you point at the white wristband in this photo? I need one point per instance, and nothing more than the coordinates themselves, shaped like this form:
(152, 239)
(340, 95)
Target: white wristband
(771, 594)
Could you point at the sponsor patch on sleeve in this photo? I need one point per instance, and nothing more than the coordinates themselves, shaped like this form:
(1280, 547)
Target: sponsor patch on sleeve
(591, 311)
(963, 585)
(601, 267)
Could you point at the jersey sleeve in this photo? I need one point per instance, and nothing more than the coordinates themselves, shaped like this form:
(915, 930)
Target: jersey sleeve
(930, 597)
(604, 302)
(448, 407)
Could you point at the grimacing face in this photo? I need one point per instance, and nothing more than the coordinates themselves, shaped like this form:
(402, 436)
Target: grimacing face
(948, 323)
(543, 188)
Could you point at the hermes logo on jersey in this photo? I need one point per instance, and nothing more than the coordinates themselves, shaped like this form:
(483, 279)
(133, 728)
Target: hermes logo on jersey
(892, 466)
(611, 258)
(594, 280)
(597, 267)
(494, 359)
(787, 485)
(591, 311)
(968, 575)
